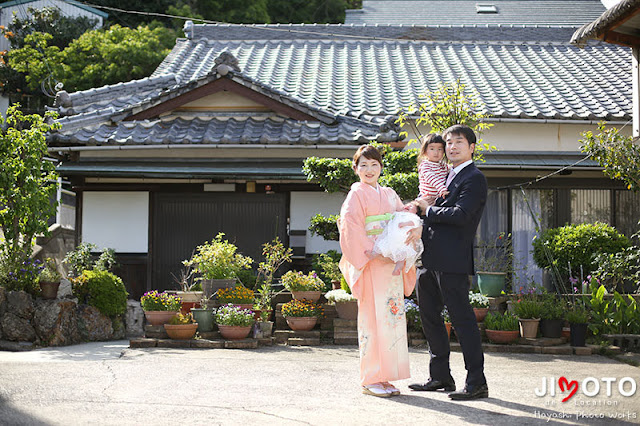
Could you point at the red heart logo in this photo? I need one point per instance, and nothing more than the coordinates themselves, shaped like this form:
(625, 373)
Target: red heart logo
(562, 382)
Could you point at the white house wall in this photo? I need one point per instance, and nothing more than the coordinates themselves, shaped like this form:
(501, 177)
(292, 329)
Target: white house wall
(524, 136)
(305, 205)
(118, 220)
(67, 9)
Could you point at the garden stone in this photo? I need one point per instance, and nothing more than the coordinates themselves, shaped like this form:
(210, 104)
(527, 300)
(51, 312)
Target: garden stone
(20, 303)
(92, 325)
(56, 322)
(3, 301)
(65, 291)
(17, 329)
(134, 319)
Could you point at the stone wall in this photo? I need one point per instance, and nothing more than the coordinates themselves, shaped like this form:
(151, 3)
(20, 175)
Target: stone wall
(27, 322)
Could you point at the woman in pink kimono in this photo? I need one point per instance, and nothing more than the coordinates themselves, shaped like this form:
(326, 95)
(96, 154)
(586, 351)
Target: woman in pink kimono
(382, 328)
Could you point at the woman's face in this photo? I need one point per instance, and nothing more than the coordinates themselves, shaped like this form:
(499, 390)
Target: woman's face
(368, 170)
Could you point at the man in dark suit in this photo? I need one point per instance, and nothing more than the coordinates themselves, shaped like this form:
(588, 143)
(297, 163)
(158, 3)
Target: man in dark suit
(447, 261)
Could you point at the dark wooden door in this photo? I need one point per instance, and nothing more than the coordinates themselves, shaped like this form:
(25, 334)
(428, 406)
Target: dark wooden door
(183, 221)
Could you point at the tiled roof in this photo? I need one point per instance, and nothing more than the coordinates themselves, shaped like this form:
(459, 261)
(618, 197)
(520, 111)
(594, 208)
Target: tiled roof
(271, 130)
(370, 77)
(455, 32)
(434, 12)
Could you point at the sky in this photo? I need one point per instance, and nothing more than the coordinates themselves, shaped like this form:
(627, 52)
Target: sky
(609, 3)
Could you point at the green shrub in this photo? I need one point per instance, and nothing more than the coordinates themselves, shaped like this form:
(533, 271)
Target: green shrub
(577, 245)
(501, 322)
(326, 227)
(103, 290)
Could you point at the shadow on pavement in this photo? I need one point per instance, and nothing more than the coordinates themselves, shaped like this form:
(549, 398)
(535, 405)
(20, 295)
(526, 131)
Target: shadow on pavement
(10, 415)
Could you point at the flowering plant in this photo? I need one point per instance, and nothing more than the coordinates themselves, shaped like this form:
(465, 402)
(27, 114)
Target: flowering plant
(179, 319)
(50, 273)
(218, 259)
(301, 308)
(234, 315)
(297, 281)
(445, 315)
(154, 301)
(338, 296)
(495, 255)
(478, 300)
(239, 295)
(412, 313)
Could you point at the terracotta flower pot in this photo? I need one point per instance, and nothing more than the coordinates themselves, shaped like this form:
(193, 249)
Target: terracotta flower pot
(302, 323)
(481, 313)
(234, 332)
(158, 317)
(529, 327)
(502, 336)
(347, 310)
(181, 331)
(49, 289)
(448, 327)
(313, 296)
(262, 329)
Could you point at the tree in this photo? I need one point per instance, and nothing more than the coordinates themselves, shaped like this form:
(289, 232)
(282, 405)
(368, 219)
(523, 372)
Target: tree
(617, 154)
(28, 184)
(443, 108)
(307, 11)
(95, 59)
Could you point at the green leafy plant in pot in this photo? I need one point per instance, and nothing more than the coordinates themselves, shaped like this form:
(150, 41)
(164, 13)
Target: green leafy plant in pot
(217, 262)
(494, 264)
(578, 318)
(528, 312)
(501, 327)
(49, 279)
(552, 316)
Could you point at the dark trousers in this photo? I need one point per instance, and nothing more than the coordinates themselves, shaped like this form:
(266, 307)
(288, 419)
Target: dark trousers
(436, 290)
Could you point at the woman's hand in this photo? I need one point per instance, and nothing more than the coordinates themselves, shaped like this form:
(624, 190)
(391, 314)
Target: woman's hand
(413, 235)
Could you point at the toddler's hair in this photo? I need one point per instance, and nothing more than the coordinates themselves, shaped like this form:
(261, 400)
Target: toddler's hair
(427, 140)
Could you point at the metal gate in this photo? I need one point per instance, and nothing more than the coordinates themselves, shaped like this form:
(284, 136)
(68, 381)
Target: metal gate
(183, 221)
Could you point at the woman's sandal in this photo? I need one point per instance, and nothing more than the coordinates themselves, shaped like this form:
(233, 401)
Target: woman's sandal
(394, 391)
(376, 389)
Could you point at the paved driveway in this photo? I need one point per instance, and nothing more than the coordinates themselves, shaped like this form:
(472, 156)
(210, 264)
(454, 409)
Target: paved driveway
(108, 384)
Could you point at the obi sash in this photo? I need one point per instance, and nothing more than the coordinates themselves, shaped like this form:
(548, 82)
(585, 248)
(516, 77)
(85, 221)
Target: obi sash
(374, 225)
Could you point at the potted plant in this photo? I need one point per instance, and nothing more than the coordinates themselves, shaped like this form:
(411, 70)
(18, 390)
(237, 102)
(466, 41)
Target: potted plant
(578, 318)
(501, 327)
(528, 312)
(552, 317)
(239, 296)
(203, 315)
(275, 255)
(303, 286)
(480, 304)
(234, 322)
(301, 314)
(447, 321)
(412, 314)
(190, 292)
(49, 279)
(263, 328)
(181, 327)
(331, 268)
(218, 263)
(493, 262)
(159, 307)
(346, 305)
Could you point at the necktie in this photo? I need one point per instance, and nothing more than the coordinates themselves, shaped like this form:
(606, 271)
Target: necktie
(452, 174)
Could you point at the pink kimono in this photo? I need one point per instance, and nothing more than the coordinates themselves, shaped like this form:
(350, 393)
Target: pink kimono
(382, 327)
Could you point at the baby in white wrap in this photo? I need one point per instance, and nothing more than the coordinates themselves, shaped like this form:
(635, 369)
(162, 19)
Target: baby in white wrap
(391, 243)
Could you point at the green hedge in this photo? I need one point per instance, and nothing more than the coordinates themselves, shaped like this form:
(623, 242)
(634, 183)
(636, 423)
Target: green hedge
(103, 290)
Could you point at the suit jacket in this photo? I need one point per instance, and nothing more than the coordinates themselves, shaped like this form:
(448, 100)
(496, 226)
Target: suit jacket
(450, 227)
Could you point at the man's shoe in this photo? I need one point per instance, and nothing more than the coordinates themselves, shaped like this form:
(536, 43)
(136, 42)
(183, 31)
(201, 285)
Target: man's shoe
(434, 385)
(471, 392)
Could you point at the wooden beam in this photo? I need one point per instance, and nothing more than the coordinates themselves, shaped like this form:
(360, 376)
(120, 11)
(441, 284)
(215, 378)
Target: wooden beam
(215, 87)
(621, 39)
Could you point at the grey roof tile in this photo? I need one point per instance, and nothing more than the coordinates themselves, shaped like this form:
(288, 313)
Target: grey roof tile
(235, 130)
(439, 12)
(513, 79)
(431, 32)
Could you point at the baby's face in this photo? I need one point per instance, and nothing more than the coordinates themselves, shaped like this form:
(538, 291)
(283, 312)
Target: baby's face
(435, 152)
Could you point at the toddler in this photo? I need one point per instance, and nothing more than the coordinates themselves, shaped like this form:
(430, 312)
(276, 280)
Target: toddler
(432, 170)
